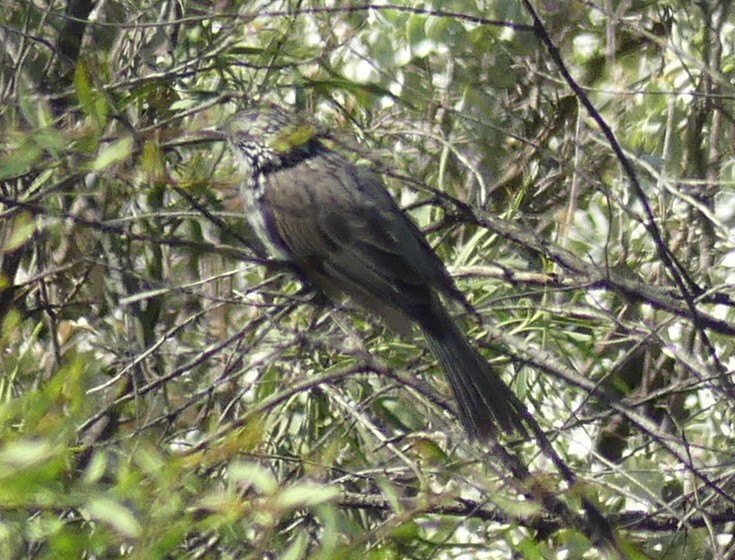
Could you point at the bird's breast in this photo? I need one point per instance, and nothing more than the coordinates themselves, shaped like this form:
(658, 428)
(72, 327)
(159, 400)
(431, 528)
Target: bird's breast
(261, 221)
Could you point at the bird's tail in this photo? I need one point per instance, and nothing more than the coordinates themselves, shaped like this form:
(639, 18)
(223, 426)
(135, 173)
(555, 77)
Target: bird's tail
(485, 403)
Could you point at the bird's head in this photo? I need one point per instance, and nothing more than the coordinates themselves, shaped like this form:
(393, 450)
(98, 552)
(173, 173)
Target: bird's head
(268, 137)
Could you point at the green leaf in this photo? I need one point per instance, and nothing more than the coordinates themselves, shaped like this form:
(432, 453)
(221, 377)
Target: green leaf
(306, 494)
(33, 108)
(445, 30)
(114, 153)
(152, 162)
(83, 88)
(365, 93)
(114, 514)
(298, 547)
(92, 100)
(19, 161)
(22, 454)
(416, 32)
(251, 473)
(21, 230)
(407, 531)
(243, 50)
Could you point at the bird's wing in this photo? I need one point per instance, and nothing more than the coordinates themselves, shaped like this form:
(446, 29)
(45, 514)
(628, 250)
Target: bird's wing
(340, 223)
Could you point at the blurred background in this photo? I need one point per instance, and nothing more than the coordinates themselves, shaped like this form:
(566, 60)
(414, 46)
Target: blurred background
(168, 392)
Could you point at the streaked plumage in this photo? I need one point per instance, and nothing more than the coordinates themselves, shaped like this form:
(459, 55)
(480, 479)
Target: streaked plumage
(340, 227)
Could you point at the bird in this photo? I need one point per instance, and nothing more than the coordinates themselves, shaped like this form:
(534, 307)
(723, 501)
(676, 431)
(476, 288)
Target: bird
(336, 223)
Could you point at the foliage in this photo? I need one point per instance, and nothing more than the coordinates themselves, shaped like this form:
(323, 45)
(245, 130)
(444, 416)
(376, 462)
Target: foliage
(167, 392)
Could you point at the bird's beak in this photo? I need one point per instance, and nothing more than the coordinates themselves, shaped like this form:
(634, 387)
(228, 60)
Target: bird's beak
(216, 134)
(202, 136)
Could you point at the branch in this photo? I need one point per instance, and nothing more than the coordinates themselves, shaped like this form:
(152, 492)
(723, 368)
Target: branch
(544, 524)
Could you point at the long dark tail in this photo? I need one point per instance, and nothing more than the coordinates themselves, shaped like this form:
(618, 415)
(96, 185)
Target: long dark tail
(485, 403)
